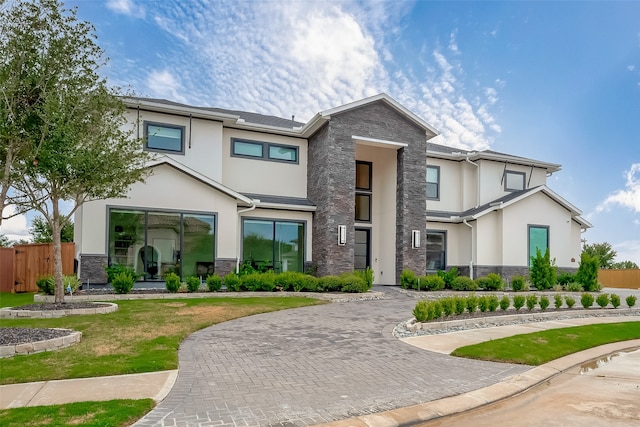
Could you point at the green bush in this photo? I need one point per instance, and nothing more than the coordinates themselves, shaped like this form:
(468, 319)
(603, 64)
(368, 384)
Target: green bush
(233, 282)
(408, 279)
(46, 284)
(290, 281)
(330, 284)
(542, 271)
(586, 300)
(461, 304)
(309, 284)
(71, 280)
(214, 282)
(472, 303)
(615, 300)
(366, 275)
(557, 301)
(518, 301)
(493, 302)
(114, 269)
(464, 283)
(574, 287)
(423, 311)
(602, 300)
(353, 284)
(565, 278)
(483, 303)
(587, 274)
(122, 283)
(569, 301)
(448, 276)
(557, 288)
(517, 283)
(532, 300)
(172, 282)
(259, 282)
(437, 309)
(544, 302)
(505, 302)
(431, 282)
(448, 305)
(631, 300)
(193, 283)
(492, 282)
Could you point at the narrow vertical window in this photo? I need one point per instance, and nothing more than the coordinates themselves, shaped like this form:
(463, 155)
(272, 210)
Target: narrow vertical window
(538, 239)
(363, 191)
(433, 182)
(436, 250)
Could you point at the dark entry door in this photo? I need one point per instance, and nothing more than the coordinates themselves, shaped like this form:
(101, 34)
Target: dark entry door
(362, 249)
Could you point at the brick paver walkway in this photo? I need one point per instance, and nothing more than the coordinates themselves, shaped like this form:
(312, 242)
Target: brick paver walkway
(312, 365)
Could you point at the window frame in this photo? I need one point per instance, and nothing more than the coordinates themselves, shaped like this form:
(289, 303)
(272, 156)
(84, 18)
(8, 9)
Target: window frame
(437, 183)
(443, 233)
(506, 180)
(274, 222)
(182, 129)
(364, 192)
(266, 151)
(540, 227)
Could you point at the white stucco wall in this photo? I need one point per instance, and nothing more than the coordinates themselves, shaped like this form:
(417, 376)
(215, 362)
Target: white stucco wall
(451, 185)
(458, 242)
(492, 183)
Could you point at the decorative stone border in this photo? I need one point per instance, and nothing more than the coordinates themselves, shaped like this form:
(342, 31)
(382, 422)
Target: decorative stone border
(49, 314)
(39, 346)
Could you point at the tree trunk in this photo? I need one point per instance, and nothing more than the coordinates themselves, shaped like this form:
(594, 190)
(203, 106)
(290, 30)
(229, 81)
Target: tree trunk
(57, 252)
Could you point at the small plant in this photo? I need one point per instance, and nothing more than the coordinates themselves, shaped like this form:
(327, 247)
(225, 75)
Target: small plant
(569, 301)
(408, 279)
(493, 302)
(557, 287)
(46, 284)
(483, 303)
(122, 283)
(366, 275)
(330, 284)
(433, 282)
(631, 300)
(532, 300)
(505, 302)
(172, 282)
(464, 283)
(461, 304)
(493, 282)
(517, 283)
(448, 276)
(586, 300)
(602, 300)
(587, 274)
(542, 271)
(214, 282)
(193, 283)
(71, 281)
(423, 311)
(353, 284)
(557, 301)
(574, 287)
(518, 302)
(233, 282)
(565, 278)
(472, 303)
(437, 309)
(544, 302)
(615, 300)
(114, 269)
(448, 306)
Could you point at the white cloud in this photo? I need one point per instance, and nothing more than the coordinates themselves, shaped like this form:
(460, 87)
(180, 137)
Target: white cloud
(126, 7)
(631, 67)
(628, 251)
(14, 228)
(453, 45)
(629, 197)
(165, 85)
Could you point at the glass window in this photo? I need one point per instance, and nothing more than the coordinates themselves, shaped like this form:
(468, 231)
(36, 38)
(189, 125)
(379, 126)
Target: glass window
(436, 250)
(433, 182)
(277, 245)
(514, 181)
(279, 152)
(162, 137)
(264, 150)
(198, 243)
(363, 176)
(363, 207)
(538, 239)
(126, 236)
(244, 148)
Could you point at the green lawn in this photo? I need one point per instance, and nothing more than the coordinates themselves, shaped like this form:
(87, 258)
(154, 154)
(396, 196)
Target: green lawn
(13, 300)
(112, 413)
(541, 347)
(142, 336)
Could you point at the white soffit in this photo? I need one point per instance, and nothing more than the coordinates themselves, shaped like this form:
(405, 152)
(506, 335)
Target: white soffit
(378, 142)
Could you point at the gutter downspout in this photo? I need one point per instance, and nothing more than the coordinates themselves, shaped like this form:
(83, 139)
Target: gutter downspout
(241, 211)
(477, 180)
(464, 221)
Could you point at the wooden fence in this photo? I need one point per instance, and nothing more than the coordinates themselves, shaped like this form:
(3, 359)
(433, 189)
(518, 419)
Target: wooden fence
(628, 279)
(21, 265)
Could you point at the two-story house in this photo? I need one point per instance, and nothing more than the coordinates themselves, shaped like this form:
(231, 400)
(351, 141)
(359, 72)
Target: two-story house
(355, 186)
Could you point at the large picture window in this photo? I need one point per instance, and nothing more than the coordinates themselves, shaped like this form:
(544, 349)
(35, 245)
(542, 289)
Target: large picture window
(538, 239)
(154, 243)
(277, 245)
(436, 250)
(163, 137)
(264, 150)
(433, 182)
(363, 191)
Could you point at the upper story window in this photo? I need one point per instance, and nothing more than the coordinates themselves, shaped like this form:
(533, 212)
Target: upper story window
(433, 182)
(513, 181)
(363, 191)
(264, 150)
(164, 137)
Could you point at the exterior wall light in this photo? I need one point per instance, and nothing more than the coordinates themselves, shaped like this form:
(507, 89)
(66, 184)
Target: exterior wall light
(415, 239)
(342, 235)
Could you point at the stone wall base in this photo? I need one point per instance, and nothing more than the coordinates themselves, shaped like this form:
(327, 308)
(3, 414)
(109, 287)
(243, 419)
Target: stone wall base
(92, 269)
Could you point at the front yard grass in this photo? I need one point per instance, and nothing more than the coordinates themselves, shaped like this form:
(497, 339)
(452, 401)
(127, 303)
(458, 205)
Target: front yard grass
(141, 336)
(111, 413)
(541, 347)
(8, 299)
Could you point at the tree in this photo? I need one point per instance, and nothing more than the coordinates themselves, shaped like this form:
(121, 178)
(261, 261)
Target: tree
(75, 145)
(542, 273)
(587, 274)
(41, 231)
(603, 251)
(5, 242)
(624, 265)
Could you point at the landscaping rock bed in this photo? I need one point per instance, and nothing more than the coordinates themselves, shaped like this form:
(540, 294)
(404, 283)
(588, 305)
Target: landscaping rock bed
(15, 341)
(50, 310)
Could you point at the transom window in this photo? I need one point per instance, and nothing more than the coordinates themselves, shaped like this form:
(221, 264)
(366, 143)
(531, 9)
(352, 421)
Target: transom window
(513, 181)
(436, 250)
(433, 182)
(264, 150)
(363, 191)
(163, 137)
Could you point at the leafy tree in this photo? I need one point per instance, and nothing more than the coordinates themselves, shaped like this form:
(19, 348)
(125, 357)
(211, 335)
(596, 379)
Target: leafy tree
(587, 274)
(5, 242)
(624, 265)
(41, 231)
(72, 139)
(603, 251)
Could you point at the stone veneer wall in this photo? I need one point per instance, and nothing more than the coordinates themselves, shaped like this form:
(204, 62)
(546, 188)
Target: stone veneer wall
(92, 269)
(331, 185)
(225, 266)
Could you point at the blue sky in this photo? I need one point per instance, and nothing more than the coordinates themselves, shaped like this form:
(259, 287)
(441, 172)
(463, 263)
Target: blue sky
(555, 81)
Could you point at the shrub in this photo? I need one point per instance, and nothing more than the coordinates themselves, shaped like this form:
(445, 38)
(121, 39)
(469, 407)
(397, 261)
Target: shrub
(602, 300)
(309, 283)
(518, 301)
(408, 279)
(72, 281)
(461, 304)
(330, 284)
(544, 302)
(259, 282)
(505, 302)
(122, 283)
(542, 271)
(471, 303)
(366, 275)
(586, 300)
(557, 288)
(290, 281)
(615, 300)
(214, 282)
(423, 311)
(172, 282)
(493, 282)
(193, 283)
(631, 300)
(574, 287)
(565, 278)
(114, 269)
(46, 284)
(233, 282)
(493, 302)
(517, 283)
(353, 284)
(532, 300)
(569, 301)
(448, 276)
(431, 282)
(483, 303)
(557, 301)
(464, 283)
(448, 305)
(437, 309)
(587, 274)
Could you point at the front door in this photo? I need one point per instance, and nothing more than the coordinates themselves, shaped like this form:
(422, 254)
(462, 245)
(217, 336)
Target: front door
(362, 249)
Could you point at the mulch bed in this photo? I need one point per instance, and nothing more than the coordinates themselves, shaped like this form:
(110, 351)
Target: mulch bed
(49, 306)
(14, 336)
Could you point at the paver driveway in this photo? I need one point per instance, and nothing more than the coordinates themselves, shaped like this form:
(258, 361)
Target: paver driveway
(312, 365)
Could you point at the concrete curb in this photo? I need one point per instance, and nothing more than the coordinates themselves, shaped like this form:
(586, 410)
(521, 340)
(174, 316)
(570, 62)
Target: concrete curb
(40, 346)
(10, 313)
(509, 387)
